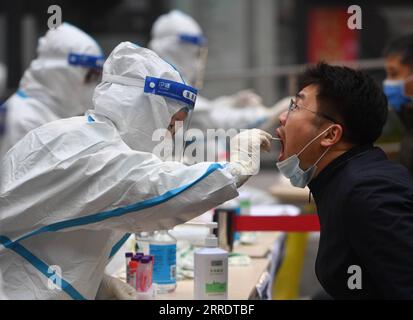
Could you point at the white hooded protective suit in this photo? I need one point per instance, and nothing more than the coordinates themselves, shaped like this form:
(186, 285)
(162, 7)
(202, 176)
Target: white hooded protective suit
(53, 87)
(178, 38)
(72, 190)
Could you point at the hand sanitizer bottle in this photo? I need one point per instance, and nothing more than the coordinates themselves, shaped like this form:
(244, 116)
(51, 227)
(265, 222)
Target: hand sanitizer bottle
(211, 269)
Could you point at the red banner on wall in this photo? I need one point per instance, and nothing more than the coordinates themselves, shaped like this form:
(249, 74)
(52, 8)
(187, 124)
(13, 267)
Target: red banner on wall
(329, 37)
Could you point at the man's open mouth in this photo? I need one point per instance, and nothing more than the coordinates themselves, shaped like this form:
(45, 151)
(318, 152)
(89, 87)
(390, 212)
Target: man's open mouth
(281, 155)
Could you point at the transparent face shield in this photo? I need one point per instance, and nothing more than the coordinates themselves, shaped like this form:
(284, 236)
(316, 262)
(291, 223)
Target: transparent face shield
(200, 73)
(178, 133)
(182, 102)
(94, 64)
(202, 56)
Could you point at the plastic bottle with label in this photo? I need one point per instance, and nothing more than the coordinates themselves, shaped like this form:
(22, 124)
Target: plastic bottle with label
(210, 269)
(163, 247)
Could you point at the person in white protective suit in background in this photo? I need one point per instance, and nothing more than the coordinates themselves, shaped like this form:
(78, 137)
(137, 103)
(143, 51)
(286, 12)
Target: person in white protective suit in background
(72, 190)
(59, 83)
(178, 38)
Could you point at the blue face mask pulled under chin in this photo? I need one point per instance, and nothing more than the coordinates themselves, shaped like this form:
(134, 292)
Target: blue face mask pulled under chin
(394, 91)
(290, 167)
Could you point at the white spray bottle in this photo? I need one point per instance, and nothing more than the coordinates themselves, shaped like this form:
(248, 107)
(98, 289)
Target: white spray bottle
(211, 269)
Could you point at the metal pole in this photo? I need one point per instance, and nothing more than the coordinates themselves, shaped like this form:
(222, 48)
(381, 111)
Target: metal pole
(284, 71)
(13, 42)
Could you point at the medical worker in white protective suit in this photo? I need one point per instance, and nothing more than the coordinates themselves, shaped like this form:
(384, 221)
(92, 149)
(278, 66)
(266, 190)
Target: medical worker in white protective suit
(178, 38)
(59, 83)
(72, 190)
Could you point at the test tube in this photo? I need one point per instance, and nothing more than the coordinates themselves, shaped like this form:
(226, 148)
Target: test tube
(151, 270)
(128, 258)
(144, 275)
(133, 265)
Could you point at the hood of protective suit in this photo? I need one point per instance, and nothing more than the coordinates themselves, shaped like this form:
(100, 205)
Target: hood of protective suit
(177, 38)
(55, 82)
(136, 113)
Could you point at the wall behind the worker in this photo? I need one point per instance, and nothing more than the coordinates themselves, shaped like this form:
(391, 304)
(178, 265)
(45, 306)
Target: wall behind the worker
(242, 34)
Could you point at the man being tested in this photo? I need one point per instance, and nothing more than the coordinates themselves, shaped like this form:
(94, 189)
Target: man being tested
(364, 201)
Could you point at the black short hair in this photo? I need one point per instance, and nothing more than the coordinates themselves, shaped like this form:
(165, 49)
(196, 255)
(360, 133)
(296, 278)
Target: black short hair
(403, 47)
(351, 97)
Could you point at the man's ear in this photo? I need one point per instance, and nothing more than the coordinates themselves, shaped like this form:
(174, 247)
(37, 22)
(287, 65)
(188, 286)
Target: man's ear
(332, 136)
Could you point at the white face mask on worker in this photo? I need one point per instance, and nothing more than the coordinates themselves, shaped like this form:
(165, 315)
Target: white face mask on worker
(290, 167)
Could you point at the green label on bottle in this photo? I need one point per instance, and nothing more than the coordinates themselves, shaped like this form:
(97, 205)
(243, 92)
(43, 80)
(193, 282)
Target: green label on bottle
(216, 287)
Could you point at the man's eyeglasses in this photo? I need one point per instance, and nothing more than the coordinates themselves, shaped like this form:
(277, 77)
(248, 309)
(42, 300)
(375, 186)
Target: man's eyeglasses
(294, 106)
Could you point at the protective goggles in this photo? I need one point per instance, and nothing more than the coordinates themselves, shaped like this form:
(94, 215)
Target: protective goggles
(157, 86)
(177, 91)
(198, 40)
(86, 61)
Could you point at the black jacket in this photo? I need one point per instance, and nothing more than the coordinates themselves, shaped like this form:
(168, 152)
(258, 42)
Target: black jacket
(365, 206)
(406, 148)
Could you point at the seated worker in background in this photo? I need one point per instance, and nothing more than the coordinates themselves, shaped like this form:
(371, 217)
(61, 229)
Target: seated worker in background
(364, 201)
(71, 190)
(58, 84)
(398, 88)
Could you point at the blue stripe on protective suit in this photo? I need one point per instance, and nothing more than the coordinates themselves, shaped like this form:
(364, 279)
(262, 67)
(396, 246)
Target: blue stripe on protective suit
(118, 245)
(94, 218)
(21, 94)
(41, 266)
